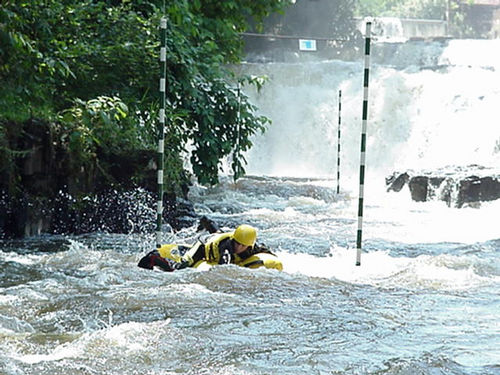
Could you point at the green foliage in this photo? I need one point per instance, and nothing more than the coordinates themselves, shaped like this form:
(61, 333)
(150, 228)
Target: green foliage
(324, 18)
(29, 68)
(456, 10)
(68, 61)
(428, 9)
(460, 25)
(101, 123)
(214, 120)
(219, 133)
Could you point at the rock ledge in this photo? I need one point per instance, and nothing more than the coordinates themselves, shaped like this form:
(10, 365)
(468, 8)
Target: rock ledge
(457, 186)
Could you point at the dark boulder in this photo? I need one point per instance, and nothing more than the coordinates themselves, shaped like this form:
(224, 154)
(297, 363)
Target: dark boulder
(419, 188)
(457, 186)
(208, 224)
(476, 189)
(397, 181)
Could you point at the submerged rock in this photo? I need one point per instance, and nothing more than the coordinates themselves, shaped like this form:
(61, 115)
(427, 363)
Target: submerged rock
(457, 186)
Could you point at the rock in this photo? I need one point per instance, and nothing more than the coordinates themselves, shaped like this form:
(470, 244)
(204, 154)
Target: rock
(419, 188)
(397, 181)
(41, 190)
(207, 224)
(457, 186)
(478, 189)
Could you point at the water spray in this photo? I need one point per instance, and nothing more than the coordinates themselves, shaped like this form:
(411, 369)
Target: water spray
(363, 144)
(161, 127)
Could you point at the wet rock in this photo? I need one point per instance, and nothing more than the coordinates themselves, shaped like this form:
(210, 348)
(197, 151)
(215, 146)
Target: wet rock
(179, 212)
(128, 211)
(207, 224)
(477, 189)
(284, 187)
(397, 181)
(419, 188)
(457, 186)
(41, 190)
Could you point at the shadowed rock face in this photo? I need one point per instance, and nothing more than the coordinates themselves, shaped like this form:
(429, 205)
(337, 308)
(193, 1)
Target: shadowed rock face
(43, 191)
(457, 186)
(397, 181)
(419, 188)
(477, 189)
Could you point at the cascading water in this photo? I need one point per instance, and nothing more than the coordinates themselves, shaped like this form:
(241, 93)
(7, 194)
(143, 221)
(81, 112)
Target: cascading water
(424, 301)
(419, 116)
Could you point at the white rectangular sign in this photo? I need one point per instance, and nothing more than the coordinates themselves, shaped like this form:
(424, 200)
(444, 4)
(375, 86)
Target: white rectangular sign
(307, 44)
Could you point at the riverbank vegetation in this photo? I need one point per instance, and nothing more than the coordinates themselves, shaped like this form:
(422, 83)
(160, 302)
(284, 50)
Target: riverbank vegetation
(90, 70)
(79, 104)
(459, 14)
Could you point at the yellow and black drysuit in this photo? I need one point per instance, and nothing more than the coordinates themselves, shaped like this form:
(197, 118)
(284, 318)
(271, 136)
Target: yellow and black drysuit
(219, 250)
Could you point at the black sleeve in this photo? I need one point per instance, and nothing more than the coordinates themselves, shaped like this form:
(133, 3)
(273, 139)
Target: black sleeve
(153, 259)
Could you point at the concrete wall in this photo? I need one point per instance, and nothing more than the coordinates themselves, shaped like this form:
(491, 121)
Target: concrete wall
(419, 28)
(401, 29)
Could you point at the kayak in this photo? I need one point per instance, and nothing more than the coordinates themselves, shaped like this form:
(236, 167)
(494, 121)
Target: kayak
(266, 259)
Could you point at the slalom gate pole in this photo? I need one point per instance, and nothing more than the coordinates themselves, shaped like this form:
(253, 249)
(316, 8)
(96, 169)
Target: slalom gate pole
(239, 115)
(161, 128)
(338, 143)
(363, 144)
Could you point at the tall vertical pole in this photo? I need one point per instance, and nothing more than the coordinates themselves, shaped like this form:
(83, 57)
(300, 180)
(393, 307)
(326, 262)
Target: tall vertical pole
(161, 127)
(363, 144)
(239, 116)
(338, 143)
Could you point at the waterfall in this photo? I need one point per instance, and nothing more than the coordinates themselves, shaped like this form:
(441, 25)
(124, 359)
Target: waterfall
(430, 113)
(401, 29)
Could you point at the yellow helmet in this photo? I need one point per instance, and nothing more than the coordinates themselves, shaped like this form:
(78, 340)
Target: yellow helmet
(245, 235)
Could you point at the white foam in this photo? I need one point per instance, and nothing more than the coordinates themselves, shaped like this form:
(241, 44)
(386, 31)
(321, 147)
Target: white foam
(25, 259)
(397, 218)
(378, 268)
(472, 52)
(124, 339)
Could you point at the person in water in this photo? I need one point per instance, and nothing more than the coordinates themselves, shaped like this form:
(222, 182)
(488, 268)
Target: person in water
(225, 248)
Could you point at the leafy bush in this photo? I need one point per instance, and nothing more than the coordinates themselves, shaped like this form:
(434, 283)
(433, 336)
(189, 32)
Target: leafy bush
(430, 9)
(68, 62)
(101, 123)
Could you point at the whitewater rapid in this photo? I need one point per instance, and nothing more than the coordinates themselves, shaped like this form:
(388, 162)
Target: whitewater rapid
(424, 300)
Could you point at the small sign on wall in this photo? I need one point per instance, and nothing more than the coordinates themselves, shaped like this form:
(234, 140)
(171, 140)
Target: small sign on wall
(307, 44)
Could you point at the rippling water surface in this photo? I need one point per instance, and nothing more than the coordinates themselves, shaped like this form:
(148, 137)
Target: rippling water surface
(424, 301)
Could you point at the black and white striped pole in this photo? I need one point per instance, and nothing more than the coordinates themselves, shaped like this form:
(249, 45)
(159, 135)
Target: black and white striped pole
(238, 124)
(161, 128)
(338, 143)
(363, 144)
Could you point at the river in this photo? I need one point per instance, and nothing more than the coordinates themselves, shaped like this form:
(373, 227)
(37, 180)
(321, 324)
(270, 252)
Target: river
(425, 299)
